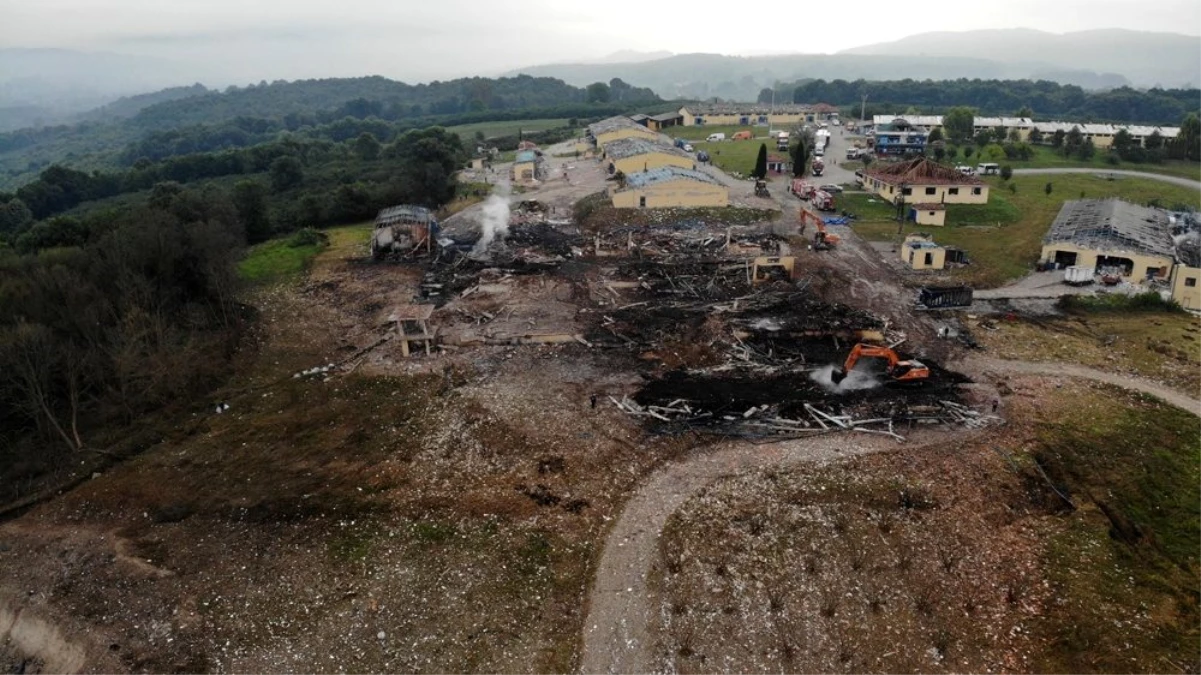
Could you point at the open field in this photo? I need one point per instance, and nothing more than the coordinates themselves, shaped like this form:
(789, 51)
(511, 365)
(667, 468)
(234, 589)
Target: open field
(1047, 157)
(506, 128)
(737, 157)
(1002, 251)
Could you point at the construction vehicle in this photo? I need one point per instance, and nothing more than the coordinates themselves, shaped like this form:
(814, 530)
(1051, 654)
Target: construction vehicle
(761, 188)
(822, 239)
(818, 167)
(403, 230)
(899, 371)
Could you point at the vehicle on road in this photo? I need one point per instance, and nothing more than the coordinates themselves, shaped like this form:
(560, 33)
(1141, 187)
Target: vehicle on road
(817, 167)
(988, 169)
(702, 156)
(852, 153)
(714, 138)
(687, 147)
(965, 170)
(742, 136)
(830, 187)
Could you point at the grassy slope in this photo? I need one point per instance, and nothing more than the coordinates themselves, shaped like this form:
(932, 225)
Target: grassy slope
(1002, 244)
(1046, 157)
(1125, 564)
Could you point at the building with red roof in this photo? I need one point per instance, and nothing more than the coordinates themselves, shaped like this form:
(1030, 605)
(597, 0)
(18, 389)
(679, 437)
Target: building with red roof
(923, 181)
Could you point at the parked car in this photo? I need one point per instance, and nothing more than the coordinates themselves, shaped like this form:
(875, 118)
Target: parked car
(702, 156)
(830, 187)
(713, 138)
(687, 147)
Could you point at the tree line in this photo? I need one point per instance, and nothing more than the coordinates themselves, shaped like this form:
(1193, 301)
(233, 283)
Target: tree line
(1001, 97)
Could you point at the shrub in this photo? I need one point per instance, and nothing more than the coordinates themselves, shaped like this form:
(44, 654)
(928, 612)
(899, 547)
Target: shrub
(308, 237)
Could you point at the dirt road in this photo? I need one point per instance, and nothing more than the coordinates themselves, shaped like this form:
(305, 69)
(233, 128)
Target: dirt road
(617, 630)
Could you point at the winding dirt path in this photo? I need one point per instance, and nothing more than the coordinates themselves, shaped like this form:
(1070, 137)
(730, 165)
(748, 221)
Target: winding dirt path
(617, 629)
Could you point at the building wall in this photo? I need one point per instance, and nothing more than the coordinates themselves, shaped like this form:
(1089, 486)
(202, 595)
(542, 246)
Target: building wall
(1188, 296)
(651, 160)
(1087, 257)
(523, 171)
(674, 193)
(735, 119)
(936, 217)
(625, 132)
(942, 194)
(915, 256)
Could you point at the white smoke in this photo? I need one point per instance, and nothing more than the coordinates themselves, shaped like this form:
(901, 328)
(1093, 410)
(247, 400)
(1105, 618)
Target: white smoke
(495, 219)
(855, 380)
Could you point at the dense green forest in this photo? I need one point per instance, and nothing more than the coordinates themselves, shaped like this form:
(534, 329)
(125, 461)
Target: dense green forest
(1047, 100)
(335, 110)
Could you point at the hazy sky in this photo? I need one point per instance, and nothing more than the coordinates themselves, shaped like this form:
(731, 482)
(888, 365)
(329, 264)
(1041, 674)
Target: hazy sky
(418, 41)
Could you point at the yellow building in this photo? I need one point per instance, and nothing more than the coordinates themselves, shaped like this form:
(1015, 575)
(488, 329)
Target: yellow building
(632, 155)
(617, 128)
(747, 114)
(928, 214)
(921, 253)
(1186, 275)
(925, 182)
(527, 166)
(1110, 235)
(670, 186)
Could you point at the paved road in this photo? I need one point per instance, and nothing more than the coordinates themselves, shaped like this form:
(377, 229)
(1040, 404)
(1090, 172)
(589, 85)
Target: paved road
(617, 630)
(1176, 180)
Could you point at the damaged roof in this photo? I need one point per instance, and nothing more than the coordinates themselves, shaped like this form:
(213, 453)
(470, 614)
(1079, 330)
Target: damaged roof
(920, 171)
(525, 156)
(1112, 224)
(613, 124)
(631, 147)
(665, 174)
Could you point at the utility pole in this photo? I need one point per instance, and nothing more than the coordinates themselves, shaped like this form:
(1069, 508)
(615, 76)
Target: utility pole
(863, 109)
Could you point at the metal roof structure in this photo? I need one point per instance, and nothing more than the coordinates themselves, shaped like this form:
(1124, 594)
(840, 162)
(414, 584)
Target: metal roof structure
(525, 156)
(613, 124)
(665, 117)
(404, 213)
(747, 109)
(1112, 224)
(920, 171)
(631, 147)
(665, 174)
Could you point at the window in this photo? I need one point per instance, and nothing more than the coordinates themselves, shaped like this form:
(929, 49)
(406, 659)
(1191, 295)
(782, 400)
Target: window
(952, 191)
(930, 191)
(975, 191)
(907, 191)
(642, 202)
(1191, 282)
(929, 258)
(891, 189)
(932, 214)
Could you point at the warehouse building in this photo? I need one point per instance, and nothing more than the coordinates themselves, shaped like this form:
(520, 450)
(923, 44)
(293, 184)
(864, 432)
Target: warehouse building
(617, 128)
(1110, 235)
(632, 155)
(670, 187)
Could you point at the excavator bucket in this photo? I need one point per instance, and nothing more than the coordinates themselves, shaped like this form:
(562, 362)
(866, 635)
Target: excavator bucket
(838, 375)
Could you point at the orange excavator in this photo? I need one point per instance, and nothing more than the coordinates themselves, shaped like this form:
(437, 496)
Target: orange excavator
(903, 372)
(822, 240)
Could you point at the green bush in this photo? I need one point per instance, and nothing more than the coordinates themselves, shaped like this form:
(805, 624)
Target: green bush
(308, 237)
(1150, 301)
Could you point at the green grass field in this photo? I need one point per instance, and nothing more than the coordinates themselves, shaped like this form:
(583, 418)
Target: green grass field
(736, 157)
(1004, 237)
(702, 132)
(506, 128)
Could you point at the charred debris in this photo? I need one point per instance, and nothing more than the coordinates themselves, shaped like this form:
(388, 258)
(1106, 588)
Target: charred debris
(719, 321)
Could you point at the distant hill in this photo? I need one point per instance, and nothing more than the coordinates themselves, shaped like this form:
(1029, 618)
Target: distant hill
(128, 106)
(1144, 58)
(741, 77)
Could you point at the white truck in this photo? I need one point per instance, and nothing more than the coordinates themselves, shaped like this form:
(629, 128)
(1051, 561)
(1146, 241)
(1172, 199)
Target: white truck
(1077, 275)
(782, 140)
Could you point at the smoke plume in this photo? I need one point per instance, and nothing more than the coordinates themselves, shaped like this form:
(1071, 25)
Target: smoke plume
(860, 378)
(495, 219)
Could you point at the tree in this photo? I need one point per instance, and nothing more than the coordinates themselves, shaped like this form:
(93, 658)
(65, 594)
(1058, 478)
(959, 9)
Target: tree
(14, 216)
(983, 137)
(1122, 142)
(250, 201)
(367, 146)
(939, 153)
(999, 134)
(597, 92)
(286, 173)
(1058, 138)
(1154, 141)
(428, 160)
(766, 95)
(1015, 136)
(1036, 136)
(935, 136)
(1006, 172)
(760, 171)
(952, 153)
(1047, 189)
(967, 151)
(800, 156)
(958, 124)
(1025, 111)
(1190, 136)
(1086, 150)
(992, 153)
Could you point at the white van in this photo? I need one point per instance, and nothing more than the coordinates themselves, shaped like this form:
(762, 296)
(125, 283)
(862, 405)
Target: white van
(988, 169)
(713, 138)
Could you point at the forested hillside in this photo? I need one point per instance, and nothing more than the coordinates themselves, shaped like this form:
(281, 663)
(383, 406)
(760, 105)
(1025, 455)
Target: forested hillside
(1001, 97)
(335, 109)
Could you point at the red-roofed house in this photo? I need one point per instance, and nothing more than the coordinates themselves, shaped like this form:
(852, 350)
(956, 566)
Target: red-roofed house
(925, 182)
